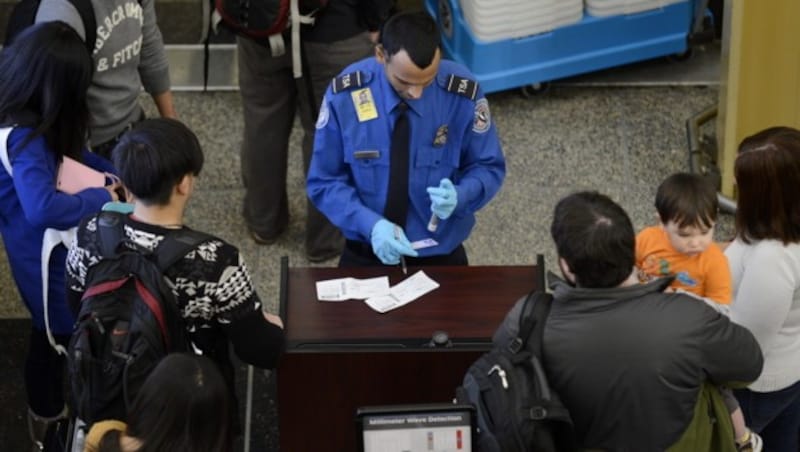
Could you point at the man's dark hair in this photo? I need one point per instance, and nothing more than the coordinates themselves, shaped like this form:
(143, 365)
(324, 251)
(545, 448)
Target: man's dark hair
(154, 156)
(595, 237)
(688, 200)
(44, 76)
(416, 32)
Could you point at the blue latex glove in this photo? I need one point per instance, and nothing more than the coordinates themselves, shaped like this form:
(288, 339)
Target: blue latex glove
(444, 199)
(389, 242)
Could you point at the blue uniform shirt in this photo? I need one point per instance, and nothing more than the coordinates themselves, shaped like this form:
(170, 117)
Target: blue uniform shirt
(452, 136)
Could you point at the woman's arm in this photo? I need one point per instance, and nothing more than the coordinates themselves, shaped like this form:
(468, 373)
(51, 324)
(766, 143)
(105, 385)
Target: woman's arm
(765, 291)
(35, 170)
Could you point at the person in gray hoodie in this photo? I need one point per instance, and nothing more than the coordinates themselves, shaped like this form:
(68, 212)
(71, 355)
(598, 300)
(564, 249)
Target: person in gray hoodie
(128, 54)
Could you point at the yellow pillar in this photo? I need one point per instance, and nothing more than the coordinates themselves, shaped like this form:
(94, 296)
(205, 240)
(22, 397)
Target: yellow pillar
(760, 74)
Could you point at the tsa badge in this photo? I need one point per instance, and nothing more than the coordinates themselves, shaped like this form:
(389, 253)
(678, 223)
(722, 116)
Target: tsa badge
(365, 104)
(483, 118)
(441, 136)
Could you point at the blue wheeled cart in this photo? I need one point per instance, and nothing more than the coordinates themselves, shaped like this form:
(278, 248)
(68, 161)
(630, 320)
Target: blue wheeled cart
(591, 44)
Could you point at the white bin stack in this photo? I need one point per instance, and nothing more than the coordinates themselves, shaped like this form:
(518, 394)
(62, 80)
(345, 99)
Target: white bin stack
(605, 8)
(497, 20)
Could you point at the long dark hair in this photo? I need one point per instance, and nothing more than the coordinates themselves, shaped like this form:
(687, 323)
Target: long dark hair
(44, 76)
(183, 406)
(767, 171)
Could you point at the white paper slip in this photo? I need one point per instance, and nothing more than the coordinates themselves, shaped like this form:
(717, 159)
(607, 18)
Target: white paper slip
(352, 288)
(403, 293)
(383, 304)
(424, 243)
(413, 287)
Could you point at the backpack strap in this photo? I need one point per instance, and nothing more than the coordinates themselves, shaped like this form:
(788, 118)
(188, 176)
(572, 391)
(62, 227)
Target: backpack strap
(532, 318)
(176, 245)
(110, 230)
(86, 11)
(4, 134)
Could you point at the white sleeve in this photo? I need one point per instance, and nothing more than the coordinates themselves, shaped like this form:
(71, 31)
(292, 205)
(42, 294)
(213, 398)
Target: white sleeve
(764, 290)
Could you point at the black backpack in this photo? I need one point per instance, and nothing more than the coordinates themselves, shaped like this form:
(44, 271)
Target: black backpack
(261, 19)
(24, 15)
(128, 320)
(517, 411)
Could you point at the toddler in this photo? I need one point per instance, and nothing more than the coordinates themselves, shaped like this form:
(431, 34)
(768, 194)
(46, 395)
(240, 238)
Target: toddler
(682, 245)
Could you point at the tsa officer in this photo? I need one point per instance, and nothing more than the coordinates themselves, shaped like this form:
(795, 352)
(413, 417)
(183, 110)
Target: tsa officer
(405, 151)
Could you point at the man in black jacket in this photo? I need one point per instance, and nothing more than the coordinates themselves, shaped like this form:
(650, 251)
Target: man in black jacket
(633, 363)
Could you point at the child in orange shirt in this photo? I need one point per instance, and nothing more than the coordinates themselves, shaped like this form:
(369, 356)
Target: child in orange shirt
(682, 245)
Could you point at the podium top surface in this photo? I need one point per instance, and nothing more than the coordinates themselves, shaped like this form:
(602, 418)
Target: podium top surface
(469, 305)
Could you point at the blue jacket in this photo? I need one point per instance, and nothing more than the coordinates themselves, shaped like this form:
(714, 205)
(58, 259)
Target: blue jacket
(29, 204)
(452, 136)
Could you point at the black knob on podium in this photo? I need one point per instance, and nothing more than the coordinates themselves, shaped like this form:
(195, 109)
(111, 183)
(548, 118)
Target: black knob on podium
(440, 339)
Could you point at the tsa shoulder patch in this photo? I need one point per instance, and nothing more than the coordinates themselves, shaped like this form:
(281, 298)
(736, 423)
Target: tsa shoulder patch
(349, 81)
(462, 86)
(483, 117)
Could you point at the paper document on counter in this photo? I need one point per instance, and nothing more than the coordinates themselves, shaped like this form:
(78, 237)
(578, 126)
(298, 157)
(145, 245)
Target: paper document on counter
(403, 293)
(352, 288)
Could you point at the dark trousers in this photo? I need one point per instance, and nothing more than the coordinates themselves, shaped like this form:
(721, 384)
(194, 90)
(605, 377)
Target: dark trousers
(270, 98)
(359, 254)
(44, 374)
(105, 149)
(773, 415)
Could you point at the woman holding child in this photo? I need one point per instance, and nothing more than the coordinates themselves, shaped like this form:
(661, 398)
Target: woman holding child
(765, 266)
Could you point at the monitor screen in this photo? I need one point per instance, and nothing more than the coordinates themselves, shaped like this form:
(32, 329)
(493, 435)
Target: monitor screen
(416, 428)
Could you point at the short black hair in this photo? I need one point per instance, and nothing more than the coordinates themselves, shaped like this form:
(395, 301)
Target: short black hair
(154, 156)
(416, 32)
(688, 200)
(595, 237)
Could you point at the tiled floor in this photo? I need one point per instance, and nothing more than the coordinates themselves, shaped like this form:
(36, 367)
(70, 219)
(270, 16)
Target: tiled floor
(621, 140)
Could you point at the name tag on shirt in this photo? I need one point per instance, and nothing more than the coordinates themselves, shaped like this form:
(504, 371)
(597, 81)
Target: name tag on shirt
(369, 154)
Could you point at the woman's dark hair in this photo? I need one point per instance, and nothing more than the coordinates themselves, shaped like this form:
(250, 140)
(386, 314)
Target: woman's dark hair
(688, 200)
(595, 237)
(416, 32)
(767, 172)
(44, 76)
(183, 406)
(154, 156)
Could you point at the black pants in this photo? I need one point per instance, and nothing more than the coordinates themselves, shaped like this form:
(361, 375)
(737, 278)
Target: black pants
(44, 374)
(359, 254)
(105, 149)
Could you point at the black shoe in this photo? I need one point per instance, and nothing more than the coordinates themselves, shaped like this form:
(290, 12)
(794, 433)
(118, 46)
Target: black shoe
(322, 256)
(262, 240)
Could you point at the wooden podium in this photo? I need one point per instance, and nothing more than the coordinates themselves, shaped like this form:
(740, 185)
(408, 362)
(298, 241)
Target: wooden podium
(343, 355)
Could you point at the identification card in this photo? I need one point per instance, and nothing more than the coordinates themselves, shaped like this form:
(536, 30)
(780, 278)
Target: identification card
(365, 104)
